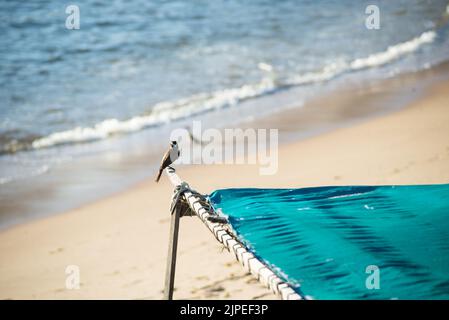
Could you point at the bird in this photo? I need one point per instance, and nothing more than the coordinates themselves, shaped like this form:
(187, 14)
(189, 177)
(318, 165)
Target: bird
(170, 156)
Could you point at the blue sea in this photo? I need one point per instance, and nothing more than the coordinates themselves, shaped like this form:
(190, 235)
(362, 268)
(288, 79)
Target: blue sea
(137, 69)
(348, 242)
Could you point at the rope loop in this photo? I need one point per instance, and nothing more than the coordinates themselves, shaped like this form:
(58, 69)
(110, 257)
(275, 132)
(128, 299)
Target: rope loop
(179, 198)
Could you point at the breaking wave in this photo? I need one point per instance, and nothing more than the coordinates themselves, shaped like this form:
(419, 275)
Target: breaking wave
(165, 112)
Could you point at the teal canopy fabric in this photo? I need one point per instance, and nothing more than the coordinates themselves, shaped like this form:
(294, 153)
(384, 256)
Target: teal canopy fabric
(348, 242)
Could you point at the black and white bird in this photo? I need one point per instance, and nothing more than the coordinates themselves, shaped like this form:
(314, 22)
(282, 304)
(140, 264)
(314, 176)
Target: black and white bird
(170, 156)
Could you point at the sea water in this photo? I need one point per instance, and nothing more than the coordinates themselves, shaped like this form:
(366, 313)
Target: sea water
(135, 65)
(348, 242)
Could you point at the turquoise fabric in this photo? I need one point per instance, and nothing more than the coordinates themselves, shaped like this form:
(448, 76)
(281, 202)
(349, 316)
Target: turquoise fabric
(348, 242)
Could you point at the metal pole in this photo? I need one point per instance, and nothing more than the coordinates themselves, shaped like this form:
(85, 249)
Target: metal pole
(171, 259)
(251, 263)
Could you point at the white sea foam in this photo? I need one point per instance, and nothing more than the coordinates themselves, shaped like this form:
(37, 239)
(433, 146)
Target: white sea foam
(168, 111)
(4, 180)
(374, 60)
(161, 113)
(327, 73)
(25, 174)
(393, 52)
(265, 67)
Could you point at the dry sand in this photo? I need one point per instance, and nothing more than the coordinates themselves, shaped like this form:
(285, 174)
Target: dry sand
(120, 243)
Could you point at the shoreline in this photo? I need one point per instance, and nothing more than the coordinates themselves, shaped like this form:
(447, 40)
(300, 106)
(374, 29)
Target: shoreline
(120, 242)
(96, 176)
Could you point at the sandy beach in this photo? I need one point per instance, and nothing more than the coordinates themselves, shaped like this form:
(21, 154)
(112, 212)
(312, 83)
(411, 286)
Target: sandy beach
(120, 243)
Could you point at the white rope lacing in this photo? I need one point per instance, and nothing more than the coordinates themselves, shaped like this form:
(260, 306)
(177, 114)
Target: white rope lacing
(178, 199)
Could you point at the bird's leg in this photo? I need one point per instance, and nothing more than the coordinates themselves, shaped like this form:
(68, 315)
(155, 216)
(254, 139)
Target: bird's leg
(171, 168)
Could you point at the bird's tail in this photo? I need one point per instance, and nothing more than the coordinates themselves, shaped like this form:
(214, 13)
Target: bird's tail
(159, 174)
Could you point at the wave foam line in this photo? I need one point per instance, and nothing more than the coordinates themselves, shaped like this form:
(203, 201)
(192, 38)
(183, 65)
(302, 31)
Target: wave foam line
(393, 52)
(161, 113)
(374, 60)
(167, 111)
